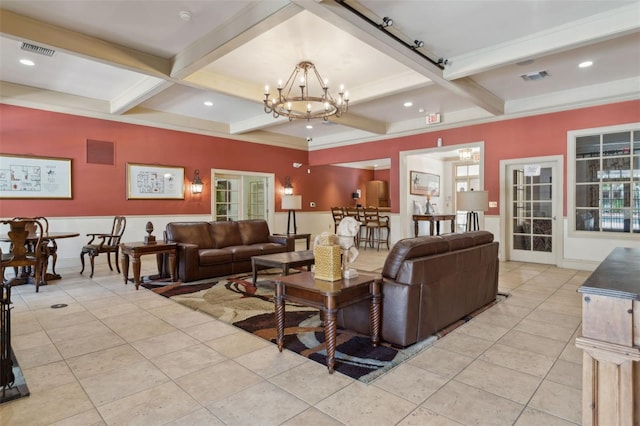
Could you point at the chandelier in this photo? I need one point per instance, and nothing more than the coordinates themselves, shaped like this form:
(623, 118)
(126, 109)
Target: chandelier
(467, 154)
(297, 102)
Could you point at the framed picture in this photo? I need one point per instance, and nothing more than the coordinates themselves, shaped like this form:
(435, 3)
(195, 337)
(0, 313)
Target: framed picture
(154, 182)
(424, 183)
(24, 176)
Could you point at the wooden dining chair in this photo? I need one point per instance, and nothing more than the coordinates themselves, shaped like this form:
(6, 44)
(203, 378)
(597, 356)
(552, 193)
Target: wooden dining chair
(105, 243)
(26, 250)
(338, 214)
(48, 246)
(355, 212)
(375, 224)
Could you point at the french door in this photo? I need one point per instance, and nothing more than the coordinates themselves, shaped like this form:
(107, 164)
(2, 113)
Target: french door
(532, 211)
(241, 195)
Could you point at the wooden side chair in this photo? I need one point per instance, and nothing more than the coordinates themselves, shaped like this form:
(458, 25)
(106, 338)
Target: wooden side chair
(338, 214)
(26, 250)
(375, 224)
(357, 214)
(105, 243)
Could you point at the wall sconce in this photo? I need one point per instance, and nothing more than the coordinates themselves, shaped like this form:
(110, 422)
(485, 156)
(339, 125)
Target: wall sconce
(288, 188)
(197, 184)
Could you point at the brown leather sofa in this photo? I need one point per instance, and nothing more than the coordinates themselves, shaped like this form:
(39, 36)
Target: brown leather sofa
(429, 283)
(214, 249)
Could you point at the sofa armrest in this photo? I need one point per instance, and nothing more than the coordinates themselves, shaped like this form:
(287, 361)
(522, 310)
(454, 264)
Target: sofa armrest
(188, 261)
(285, 240)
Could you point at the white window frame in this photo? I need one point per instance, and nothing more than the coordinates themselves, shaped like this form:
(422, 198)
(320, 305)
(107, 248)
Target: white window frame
(572, 135)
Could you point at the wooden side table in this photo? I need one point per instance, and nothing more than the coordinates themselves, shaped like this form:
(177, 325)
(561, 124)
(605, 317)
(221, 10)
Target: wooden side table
(139, 248)
(306, 237)
(329, 297)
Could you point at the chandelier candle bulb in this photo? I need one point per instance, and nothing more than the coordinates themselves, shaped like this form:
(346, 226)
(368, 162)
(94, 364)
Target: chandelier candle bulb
(266, 90)
(305, 104)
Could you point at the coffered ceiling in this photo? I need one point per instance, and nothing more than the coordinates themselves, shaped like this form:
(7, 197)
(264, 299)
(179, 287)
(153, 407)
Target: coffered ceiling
(158, 62)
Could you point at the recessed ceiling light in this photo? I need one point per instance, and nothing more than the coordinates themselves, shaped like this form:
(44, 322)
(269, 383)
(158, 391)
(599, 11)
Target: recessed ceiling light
(585, 64)
(408, 104)
(309, 126)
(208, 103)
(421, 110)
(27, 62)
(185, 15)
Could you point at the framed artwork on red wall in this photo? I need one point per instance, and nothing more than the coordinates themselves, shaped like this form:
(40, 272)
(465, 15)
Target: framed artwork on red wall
(424, 184)
(154, 182)
(24, 176)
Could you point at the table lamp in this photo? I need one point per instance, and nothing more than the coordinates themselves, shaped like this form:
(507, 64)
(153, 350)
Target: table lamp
(291, 203)
(473, 202)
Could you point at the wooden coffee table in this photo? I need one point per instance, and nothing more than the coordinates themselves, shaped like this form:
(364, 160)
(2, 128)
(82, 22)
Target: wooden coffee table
(284, 261)
(328, 296)
(140, 248)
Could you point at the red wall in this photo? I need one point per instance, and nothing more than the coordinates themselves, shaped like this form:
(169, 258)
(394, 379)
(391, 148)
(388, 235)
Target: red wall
(534, 136)
(100, 190)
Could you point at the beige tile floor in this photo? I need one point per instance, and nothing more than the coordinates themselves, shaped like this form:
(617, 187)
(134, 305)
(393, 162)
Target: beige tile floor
(118, 356)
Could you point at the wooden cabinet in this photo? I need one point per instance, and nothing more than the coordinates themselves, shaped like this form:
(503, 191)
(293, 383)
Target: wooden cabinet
(611, 341)
(377, 193)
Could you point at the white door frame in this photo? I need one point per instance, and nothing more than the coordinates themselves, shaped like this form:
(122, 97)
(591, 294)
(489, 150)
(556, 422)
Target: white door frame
(558, 195)
(269, 192)
(405, 211)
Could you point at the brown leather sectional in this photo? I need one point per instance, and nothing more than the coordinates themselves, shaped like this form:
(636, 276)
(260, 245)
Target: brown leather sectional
(429, 283)
(214, 249)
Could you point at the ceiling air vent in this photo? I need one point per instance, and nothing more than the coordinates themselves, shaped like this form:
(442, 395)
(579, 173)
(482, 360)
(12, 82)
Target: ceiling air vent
(532, 76)
(37, 49)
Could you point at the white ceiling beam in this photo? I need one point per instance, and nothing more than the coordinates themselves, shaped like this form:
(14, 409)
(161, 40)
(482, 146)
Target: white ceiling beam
(359, 122)
(255, 123)
(145, 89)
(358, 27)
(609, 92)
(254, 20)
(21, 28)
(594, 29)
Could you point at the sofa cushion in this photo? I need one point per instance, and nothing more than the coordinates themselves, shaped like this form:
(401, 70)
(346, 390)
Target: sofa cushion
(410, 248)
(481, 237)
(214, 256)
(225, 233)
(270, 248)
(241, 253)
(468, 239)
(254, 231)
(458, 241)
(190, 232)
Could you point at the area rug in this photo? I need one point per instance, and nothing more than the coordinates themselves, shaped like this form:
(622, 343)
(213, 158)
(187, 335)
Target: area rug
(235, 300)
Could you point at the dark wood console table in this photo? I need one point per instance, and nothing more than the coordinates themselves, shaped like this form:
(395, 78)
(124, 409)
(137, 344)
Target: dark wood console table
(433, 219)
(611, 341)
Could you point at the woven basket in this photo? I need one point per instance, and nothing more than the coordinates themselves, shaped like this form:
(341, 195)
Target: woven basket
(327, 263)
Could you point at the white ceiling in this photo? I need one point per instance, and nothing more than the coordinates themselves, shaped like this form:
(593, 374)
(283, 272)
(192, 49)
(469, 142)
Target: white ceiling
(139, 62)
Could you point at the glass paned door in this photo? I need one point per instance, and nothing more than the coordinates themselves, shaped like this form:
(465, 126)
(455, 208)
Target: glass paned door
(227, 205)
(241, 195)
(531, 211)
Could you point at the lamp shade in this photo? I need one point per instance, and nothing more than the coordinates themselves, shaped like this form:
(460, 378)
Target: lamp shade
(291, 202)
(472, 201)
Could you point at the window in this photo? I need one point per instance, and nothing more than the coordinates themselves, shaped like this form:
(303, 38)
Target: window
(607, 180)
